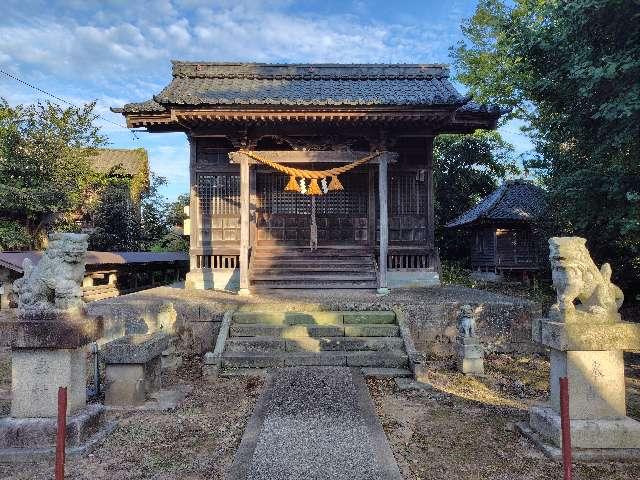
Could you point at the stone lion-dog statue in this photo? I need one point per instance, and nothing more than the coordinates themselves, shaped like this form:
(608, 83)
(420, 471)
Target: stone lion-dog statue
(576, 277)
(54, 285)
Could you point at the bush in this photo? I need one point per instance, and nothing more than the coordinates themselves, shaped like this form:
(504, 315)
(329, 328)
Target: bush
(13, 236)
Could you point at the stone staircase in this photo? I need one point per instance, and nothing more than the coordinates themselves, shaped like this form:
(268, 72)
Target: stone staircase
(368, 340)
(325, 267)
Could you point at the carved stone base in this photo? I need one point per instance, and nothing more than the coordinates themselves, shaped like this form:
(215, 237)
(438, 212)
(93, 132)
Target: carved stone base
(29, 439)
(610, 433)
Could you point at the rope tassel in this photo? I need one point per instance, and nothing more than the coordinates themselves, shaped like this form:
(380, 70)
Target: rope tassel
(335, 184)
(292, 186)
(314, 189)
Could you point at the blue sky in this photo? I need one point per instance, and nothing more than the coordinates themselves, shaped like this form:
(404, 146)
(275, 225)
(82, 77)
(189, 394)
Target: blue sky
(118, 51)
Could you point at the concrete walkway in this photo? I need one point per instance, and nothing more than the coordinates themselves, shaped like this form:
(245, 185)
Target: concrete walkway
(314, 423)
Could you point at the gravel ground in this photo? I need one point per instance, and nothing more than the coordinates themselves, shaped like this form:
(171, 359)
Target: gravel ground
(197, 441)
(462, 428)
(465, 428)
(328, 297)
(314, 426)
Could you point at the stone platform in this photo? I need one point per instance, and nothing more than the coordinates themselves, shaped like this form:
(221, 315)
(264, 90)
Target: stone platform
(314, 423)
(31, 439)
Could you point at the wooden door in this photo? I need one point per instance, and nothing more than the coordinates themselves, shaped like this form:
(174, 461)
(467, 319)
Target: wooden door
(285, 217)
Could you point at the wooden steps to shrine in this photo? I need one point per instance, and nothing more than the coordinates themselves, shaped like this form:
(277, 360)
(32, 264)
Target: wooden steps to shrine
(367, 340)
(325, 267)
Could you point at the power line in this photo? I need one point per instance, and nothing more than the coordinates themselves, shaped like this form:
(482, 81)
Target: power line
(65, 101)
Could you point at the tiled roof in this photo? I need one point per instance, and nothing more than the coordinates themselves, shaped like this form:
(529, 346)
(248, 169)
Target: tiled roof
(215, 84)
(13, 260)
(131, 161)
(514, 200)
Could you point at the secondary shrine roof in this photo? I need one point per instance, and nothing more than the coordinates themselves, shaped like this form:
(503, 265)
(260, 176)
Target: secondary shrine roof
(514, 200)
(303, 87)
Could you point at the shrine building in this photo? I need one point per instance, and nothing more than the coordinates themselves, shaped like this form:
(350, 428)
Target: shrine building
(311, 175)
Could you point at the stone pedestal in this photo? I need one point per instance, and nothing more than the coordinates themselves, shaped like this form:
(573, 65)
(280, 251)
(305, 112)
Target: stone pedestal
(133, 368)
(36, 375)
(470, 356)
(590, 356)
(47, 352)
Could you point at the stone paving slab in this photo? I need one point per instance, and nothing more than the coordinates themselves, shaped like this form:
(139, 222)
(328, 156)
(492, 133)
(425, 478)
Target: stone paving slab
(314, 423)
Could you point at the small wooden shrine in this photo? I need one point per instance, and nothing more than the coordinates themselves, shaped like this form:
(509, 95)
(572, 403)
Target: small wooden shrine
(369, 227)
(503, 229)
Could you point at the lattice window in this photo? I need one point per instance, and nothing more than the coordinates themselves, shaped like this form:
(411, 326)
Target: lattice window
(407, 194)
(219, 194)
(273, 199)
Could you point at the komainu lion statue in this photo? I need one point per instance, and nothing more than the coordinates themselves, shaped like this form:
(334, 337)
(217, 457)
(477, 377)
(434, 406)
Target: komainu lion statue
(54, 285)
(576, 277)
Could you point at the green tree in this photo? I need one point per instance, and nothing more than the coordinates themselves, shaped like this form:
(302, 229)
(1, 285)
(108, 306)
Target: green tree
(116, 221)
(44, 171)
(155, 210)
(466, 169)
(175, 214)
(572, 71)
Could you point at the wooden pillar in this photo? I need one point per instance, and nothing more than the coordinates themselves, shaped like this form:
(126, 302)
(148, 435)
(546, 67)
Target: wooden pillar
(384, 225)
(430, 230)
(244, 225)
(194, 213)
(371, 208)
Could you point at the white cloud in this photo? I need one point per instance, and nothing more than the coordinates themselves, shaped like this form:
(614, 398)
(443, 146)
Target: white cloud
(118, 51)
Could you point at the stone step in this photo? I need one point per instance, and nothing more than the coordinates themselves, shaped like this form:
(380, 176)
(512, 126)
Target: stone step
(316, 318)
(382, 372)
(313, 331)
(289, 318)
(307, 344)
(386, 359)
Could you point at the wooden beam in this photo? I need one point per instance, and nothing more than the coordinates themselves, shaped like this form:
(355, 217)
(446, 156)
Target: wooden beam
(324, 156)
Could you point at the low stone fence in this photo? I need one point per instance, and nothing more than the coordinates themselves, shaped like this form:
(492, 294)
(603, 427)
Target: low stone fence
(195, 323)
(502, 327)
(504, 323)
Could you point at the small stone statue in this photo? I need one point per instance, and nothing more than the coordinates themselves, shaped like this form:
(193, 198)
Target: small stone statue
(466, 322)
(575, 276)
(469, 351)
(54, 285)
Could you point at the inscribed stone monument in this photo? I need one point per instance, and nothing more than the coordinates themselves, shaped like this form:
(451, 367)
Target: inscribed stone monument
(586, 338)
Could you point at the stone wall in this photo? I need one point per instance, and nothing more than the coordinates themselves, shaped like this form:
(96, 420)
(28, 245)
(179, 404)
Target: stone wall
(502, 327)
(504, 323)
(196, 324)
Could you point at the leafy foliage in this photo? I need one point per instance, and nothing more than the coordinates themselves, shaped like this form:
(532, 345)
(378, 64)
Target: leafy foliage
(572, 70)
(466, 169)
(44, 171)
(13, 235)
(116, 220)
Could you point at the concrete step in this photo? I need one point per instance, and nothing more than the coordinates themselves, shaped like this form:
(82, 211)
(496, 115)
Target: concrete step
(382, 372)
(313, 331)
(307, 344)
(316, 318)
(289, 318)
(369, 317)
(387, 359)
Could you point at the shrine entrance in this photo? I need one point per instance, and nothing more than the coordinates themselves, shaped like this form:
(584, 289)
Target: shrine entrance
(285, 218)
